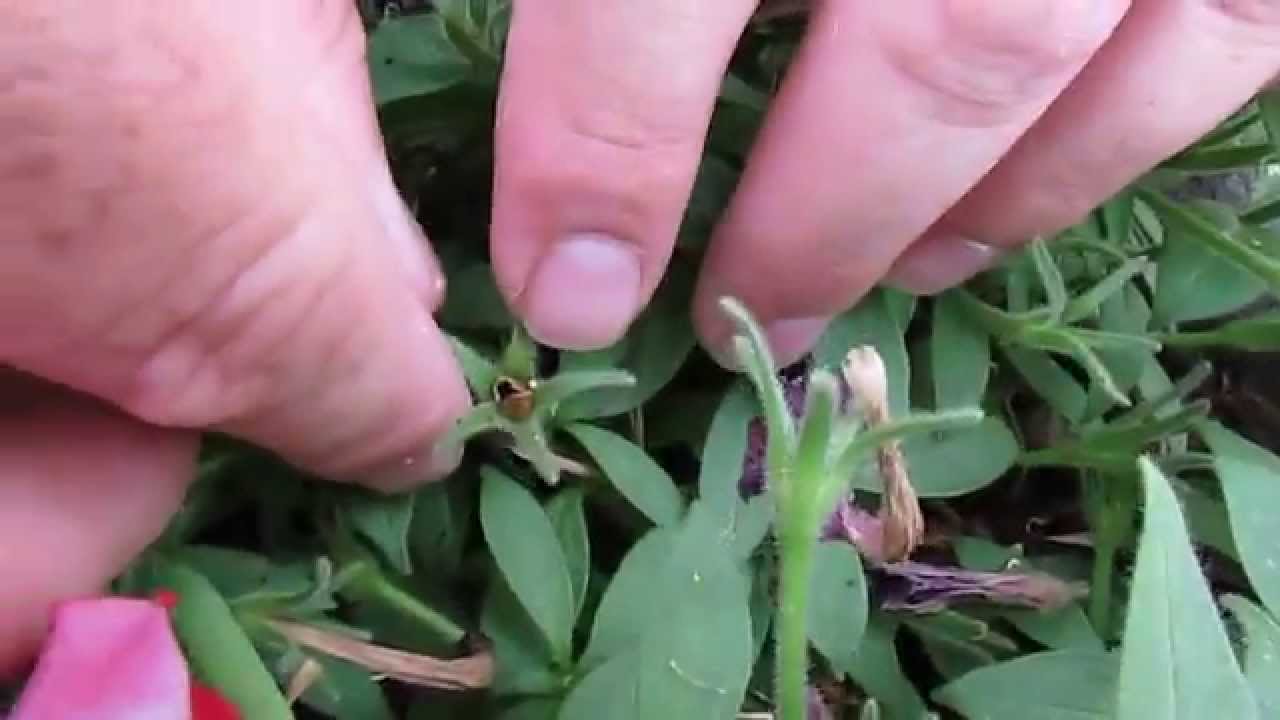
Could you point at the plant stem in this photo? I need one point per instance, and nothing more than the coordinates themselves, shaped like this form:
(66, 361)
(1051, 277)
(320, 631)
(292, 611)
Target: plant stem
(797, 558)
(369, 584)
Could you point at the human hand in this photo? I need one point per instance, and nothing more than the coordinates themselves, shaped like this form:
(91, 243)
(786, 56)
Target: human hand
(910, 143)
(200, 232)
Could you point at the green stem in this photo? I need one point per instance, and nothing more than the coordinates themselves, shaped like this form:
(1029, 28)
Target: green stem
(368, 584)
(1104, 561)
(797, 556)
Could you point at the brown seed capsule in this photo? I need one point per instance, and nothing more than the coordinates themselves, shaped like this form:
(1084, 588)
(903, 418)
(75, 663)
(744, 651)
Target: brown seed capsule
(514, 397)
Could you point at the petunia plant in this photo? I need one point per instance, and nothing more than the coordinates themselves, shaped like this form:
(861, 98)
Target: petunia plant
(810, 464)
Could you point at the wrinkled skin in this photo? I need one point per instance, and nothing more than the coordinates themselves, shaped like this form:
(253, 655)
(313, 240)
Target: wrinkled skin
(200, 230)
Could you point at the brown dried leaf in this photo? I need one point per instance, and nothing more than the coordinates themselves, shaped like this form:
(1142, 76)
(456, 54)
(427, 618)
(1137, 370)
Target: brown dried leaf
(468, 673)
(902, 521)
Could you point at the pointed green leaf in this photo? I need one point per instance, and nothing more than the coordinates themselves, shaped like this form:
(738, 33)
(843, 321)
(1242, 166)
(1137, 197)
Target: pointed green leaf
(1058, 685)
(1250, 477)
(1176, 662)
(384, 521)
(1261, 652)
(528, 553)
(725, 449)
(630, 469)
(570, 524)
(959, 355)
(684, 649)
(837, 602)
(220, 653)
(877, 669)
(413, 55)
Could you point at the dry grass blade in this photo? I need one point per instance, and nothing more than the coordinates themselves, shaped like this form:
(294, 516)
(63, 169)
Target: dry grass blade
(468, 673)
(902, 523)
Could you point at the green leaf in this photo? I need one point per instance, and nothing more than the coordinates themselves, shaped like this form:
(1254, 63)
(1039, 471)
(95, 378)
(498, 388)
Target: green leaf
(683, 649)
(1245, 253)
(874, 322)
(1255, 334)
(219, 652)
(443, 517)
(837, 603)
(522, 658)
(528, 553)
(1053, 383)
(1065, 628)
(1176, 661)
(1050, 275)
(955, 462)
(1250, 477)
(628, 596)
(1058, 685)
(565, 385)
(955, 643)
(1194, 283)
(413, 55)
(570, 524)
(641, 480)
(878, 670)
(725, 449)
(1261, 652)
(534, 709)
(384, 521)
(959, 354)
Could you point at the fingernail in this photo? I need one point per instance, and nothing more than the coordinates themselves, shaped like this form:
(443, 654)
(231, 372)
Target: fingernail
(408, 243)
(412, 471)
(584, 292)
(939, 262)
(792, 338)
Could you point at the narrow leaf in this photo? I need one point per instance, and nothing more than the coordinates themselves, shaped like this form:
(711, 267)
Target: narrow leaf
(1250, 477)
(1176, 662)
(383, 521)
(960, 356)
(630, 469)
(837, 603)
(1261, 652)
(1057, 685)
(528, 553)
(570, 524)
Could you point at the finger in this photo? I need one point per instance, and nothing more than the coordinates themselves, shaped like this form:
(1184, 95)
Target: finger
(1169, 74)
(211, 238)
(888, 115)
(604, 107)
(83, 490)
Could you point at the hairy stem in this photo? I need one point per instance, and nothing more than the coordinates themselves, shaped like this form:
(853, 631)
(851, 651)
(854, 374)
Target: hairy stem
(797, 556)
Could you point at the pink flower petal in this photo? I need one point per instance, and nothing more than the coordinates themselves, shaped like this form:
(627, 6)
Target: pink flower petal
(108, 659)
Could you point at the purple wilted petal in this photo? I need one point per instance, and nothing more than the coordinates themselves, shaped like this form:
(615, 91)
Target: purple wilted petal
(858, 527)
(795, 390)
(920, 587)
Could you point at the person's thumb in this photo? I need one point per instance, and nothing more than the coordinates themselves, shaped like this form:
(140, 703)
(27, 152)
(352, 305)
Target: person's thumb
(202, 229)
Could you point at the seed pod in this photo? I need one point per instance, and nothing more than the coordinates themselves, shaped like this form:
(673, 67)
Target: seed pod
(514, 397)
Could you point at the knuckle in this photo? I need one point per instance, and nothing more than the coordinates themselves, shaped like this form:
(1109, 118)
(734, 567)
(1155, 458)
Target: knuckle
(214, 351)
(981, 62)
